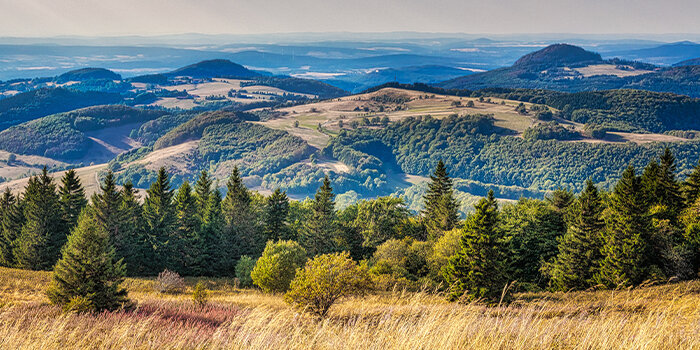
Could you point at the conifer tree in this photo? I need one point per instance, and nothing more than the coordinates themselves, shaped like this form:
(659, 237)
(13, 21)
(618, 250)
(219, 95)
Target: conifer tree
(561, 199)
(88, 269)
(10, 226)
(184, 243)
(43, 234)
(276, 212)
(132, 245)
(244, 237)
(159, 219)
(691, 186)
(441, 211)
(106, 209)
(625, 250)
(211, 223)
(72, 197)
(579, 249)
(476, 271)
(213, 233)
(669, 190)
(321, 230)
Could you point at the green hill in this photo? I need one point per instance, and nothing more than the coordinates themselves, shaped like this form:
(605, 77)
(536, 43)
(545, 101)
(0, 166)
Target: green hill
(63, 136)
(88, 74)
(42, 102)
(214, 69)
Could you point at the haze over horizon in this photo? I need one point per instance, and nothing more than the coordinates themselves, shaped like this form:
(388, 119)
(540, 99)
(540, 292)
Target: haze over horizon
(37, 18)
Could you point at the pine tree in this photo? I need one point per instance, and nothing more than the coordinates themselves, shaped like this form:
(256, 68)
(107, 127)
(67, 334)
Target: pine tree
(106, 210)
(72, 197)
(321, 231)
(691, 186)
(476, 271)
(211, 223)
(215, 255)
(579, 249)
(625, 250)
(669, 189)
(561, 199)
(244, 237)
(88, 269)
(276, 211)
(43, 234)
(159, 219)
(440, 206)
(133, 247)
(184, 243)
(10, 226)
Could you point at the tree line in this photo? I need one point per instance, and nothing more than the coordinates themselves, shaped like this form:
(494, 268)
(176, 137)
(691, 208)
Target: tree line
(646, 229)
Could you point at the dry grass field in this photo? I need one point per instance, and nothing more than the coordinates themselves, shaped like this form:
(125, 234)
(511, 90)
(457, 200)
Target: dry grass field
(656, 317)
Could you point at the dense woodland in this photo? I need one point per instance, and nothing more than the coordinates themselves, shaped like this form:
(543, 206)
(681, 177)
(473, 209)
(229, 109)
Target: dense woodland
(645, 229)
(479, 151)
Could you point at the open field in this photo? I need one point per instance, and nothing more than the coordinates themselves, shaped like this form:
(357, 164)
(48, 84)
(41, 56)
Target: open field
(659, 317)
(610, 69)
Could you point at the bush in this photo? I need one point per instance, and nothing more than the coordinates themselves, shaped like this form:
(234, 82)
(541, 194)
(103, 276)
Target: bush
(276, 267)
(79, 305)
(324, 280)
(169, 282)
(243, 269)
(200, 295)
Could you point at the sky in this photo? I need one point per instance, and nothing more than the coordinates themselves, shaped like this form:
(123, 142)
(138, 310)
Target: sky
(36, 18)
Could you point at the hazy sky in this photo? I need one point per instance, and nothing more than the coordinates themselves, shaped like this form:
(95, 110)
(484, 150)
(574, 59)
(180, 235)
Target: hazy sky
(148, 17)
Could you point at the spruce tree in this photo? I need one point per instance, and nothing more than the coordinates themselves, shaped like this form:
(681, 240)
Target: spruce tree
(38, 246)
(321, 231)
(159, 219)
(214, 256)
(72, 197)
(669, 189)
(88, 269)
(106, 209)
(276, 212)
(476, 271)
(184, 242)
(243, 235)
(441, 211)
(691, 186)
(579, 249)
(132, 245)
(10, 226)
(625, 249)
(211, 223)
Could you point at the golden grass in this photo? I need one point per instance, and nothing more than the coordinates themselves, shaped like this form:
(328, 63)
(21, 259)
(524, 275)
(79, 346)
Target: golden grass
(660, 317)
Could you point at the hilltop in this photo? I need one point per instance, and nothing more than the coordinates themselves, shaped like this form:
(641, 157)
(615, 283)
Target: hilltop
(88, 74)
(214, 69)
(558, 55)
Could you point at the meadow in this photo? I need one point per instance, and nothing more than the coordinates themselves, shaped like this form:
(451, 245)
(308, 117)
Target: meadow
(650, 317)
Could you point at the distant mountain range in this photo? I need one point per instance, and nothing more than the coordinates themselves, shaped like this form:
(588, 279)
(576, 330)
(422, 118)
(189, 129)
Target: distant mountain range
(667, 54)
(214, 69)
(569, 68)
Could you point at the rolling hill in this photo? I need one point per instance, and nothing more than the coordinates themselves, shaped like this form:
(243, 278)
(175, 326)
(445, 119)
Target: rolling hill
(214, 69)
(45, 101)
(88, 74)
(666, 54)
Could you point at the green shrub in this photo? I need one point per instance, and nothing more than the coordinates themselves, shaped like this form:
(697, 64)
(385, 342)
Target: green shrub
(79, 305)
(243, 269)
(276, 267)
(324, 280)
(200, 295)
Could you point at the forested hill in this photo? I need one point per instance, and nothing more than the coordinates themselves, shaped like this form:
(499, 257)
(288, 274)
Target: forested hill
(558, 55)
(38, 103)
(214, 69)
(622, 110)
(88, 74)
(571, 69)
(64, 135)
